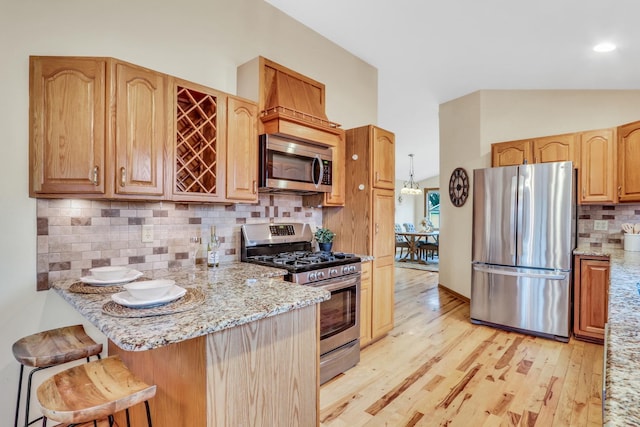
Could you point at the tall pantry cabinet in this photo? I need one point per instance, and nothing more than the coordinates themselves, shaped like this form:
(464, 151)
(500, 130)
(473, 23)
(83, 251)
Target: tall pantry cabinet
(365, 224)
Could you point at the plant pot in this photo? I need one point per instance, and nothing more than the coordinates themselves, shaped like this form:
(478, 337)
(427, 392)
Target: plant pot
(325, 247)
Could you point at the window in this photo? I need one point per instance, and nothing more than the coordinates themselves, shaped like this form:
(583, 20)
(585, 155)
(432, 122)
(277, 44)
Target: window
(432, 207)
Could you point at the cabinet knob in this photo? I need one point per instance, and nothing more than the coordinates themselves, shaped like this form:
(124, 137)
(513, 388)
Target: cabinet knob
(123, 176)
(619, 190)
(255, 186)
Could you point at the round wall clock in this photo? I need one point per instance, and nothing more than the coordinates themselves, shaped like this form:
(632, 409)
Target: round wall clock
(458, 187)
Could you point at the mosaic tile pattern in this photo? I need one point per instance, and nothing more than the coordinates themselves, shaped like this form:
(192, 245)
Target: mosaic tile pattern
(77, 235)
(615, 215)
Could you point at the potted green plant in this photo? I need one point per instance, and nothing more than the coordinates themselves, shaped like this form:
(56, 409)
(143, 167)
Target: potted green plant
(324, 237)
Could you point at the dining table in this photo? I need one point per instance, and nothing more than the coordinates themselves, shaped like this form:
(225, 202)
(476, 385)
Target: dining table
(415, 240)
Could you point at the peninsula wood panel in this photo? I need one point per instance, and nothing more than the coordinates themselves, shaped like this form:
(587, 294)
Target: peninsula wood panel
(365, 304)
(178, 371)
(265, 373)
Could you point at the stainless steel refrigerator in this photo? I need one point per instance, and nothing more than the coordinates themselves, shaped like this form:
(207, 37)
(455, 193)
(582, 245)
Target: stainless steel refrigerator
(524, 233)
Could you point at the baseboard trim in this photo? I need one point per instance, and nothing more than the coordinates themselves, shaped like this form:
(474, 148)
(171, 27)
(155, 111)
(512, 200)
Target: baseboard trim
(454, 293)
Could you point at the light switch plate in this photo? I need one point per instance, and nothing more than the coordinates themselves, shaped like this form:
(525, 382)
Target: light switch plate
(600, 225)
(147, 233)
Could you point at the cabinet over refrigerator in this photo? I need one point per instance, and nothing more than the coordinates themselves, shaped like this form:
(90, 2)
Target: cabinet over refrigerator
(524, 233)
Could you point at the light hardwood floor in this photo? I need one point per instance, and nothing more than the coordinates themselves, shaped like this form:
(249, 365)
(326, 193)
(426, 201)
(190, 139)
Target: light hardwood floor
(437, 369)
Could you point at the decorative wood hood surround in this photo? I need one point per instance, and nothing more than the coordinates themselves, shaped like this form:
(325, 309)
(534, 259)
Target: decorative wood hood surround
(289, 102)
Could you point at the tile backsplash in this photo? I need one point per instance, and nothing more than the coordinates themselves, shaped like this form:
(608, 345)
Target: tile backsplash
(614, 215)
(76, 235)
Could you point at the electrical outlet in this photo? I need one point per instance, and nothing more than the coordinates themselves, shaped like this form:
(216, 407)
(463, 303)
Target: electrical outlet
(601, 225)
(147, 233)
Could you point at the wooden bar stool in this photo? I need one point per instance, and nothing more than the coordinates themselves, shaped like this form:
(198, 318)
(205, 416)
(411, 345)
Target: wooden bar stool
(50, 348)
(93, 391)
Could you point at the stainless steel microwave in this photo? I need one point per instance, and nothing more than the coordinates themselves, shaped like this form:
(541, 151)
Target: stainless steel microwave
(294, 166)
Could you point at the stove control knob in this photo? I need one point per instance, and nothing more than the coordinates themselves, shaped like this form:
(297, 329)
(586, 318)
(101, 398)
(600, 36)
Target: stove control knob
(333, 271)
(313, 276)
(352, 269)
(345, 270)
(320, 275)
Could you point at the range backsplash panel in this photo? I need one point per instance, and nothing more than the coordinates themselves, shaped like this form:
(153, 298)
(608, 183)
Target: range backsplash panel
(77, 235)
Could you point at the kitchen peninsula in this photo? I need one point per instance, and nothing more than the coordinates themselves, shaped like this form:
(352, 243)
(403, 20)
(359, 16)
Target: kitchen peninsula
(246, 355)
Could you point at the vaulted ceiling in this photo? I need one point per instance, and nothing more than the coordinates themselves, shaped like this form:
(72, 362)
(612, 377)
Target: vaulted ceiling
(428, 52)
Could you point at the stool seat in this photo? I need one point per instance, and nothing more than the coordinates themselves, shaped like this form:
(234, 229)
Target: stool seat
(92, 391)
(55, 346)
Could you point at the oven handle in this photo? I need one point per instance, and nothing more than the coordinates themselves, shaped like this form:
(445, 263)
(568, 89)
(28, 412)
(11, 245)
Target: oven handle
(337, 283)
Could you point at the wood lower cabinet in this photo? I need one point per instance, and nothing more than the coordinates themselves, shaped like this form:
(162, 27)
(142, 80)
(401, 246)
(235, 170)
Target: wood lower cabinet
(591, 297)
(365, 225)
(98, 128)
(597, 172)
(628, 161)
(365, 304)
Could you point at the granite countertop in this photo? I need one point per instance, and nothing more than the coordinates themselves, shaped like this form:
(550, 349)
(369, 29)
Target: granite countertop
(230, 300)
(623, 338)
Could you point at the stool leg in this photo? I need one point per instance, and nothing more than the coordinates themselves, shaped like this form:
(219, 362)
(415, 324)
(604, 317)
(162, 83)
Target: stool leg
(15, 424)
(26, 411)
(146, 404)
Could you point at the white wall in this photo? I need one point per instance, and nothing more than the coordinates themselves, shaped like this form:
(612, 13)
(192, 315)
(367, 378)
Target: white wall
(199, 40)
(470, 124)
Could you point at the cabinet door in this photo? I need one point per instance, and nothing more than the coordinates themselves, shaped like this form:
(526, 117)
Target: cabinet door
(560, 148)
(511, 153)
(597, 167)
(591, 295)
(337, 195)
(383, 158)
(67, 114)
(140, 137)
(365, 305)
(383, 266)
(242, 150)
(628, 161)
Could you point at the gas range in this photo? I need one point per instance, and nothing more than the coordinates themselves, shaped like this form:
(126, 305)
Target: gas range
(289, 246)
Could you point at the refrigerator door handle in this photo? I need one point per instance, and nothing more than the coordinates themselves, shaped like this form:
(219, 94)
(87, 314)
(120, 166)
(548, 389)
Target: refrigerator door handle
(512, 215)
(537, 275)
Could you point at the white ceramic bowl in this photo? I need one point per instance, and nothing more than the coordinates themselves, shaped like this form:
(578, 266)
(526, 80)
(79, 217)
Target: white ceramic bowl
(109, 272)
(149, 289)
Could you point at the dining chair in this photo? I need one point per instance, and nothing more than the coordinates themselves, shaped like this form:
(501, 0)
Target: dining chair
(400, 241)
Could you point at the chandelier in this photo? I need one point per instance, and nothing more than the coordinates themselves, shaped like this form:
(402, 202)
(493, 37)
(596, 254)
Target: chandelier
(411, 187)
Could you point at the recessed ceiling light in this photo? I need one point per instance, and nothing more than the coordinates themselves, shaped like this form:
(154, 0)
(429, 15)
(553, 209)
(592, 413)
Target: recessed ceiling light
(604, 47)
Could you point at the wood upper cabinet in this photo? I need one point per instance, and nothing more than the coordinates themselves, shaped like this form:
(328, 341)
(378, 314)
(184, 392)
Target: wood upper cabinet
(511, 153)
(140, 134)
(591, 295)
(559, 148)
(98, 128)
(597, 171)
(199, 148)
(383, 158)
(628, 161)
(67, 126)
(242, 150)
